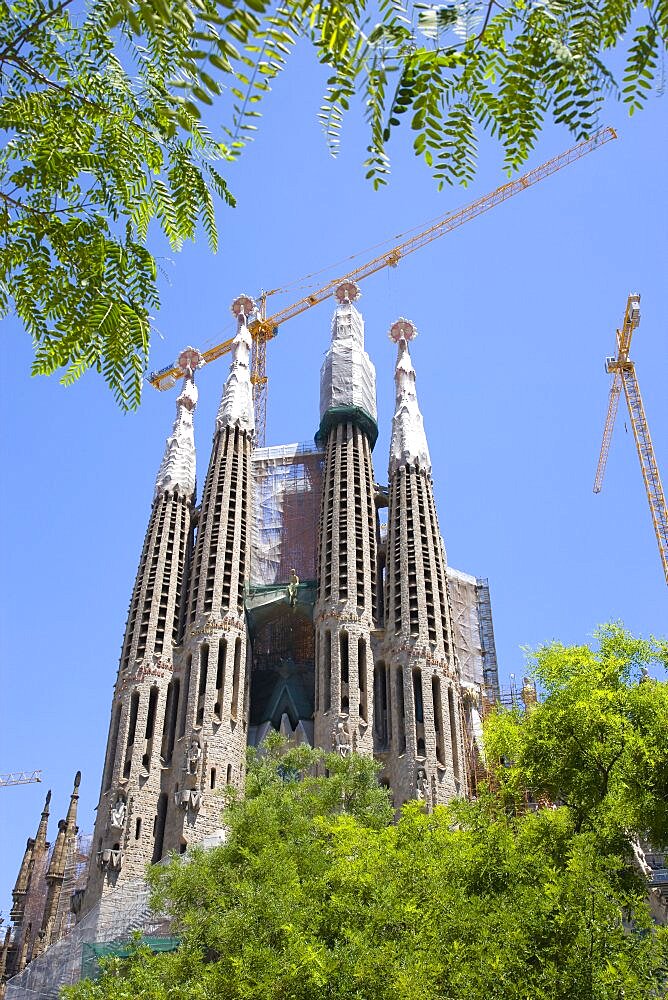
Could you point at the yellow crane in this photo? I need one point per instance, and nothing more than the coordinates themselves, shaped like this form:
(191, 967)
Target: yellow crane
(264, 328)
(623, 373)
(19, 778)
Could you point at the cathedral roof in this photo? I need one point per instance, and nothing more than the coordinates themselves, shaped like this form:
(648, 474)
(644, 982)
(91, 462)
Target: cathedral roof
(236, 404)
(409, 441)
(178, 464)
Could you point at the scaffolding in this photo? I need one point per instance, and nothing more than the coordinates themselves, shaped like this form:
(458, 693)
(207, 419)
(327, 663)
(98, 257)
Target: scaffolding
(106, 929)
(473, 636)
(287, 485)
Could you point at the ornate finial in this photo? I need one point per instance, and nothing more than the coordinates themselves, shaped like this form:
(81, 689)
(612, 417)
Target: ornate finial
(48, 799)
(408, 445)
(347, 292)
(77, 779)
(243, 306)
(189, 360)
(402, 329)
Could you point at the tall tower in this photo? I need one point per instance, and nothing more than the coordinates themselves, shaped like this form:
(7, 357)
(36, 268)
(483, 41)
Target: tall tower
(418, 730)
(128, 828)
(24, 935)
(346, 599)
(62, 857)
(212, 725)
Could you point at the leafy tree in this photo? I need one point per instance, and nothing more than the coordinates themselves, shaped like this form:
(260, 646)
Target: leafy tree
(597, 741)
(101, 115)
(316, 894)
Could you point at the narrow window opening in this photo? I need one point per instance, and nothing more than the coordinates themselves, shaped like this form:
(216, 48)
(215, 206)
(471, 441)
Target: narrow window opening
(186, 693)
(159, 827)
(453, 733)
(134, 709)
(235, 679)
(229, 774)
(213, 777)
(138, 828)
(220, 679)
(113, 745)
(150, 717)
(361, 676)
(203, 672)
(327, 672)
(438, 718)
(380, 704)
(417, 697)
(343, 652)
(401, 720)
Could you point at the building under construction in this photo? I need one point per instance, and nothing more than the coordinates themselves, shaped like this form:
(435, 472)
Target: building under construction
(296, 594)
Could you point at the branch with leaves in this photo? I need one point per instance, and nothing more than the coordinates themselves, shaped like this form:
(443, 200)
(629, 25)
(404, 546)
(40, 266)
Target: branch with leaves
(101, 116)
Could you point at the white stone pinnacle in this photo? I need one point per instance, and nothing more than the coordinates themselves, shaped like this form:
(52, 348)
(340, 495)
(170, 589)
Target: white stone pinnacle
(177, 468)
(409, 441)
(236, 404)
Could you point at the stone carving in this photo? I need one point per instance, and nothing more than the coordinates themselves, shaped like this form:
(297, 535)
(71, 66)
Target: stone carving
(189, 798)
(422, 784)
(341, 739)
(111, 859)
(193, 757)
(292, 588)
(117, 813)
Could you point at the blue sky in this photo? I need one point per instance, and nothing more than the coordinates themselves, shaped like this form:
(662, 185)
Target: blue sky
(516, 312)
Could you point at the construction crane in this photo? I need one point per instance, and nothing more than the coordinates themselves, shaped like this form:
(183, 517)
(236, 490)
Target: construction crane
(19, 778)
(264, 328)
(623, 373)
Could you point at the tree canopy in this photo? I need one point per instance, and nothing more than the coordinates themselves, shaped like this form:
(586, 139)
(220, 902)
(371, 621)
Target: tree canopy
(101, 113)
(317, 893)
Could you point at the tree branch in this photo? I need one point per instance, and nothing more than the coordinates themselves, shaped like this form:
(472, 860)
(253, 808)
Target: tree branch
(15, 44)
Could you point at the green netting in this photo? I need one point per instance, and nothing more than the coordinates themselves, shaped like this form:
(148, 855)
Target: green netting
(92, 951)
(341, 415)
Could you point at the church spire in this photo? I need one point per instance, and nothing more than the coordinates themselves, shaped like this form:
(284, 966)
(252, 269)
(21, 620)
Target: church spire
(177, 469)
(236, 404)
(63, 850)
(347, 376)
(409, 441)
(23, 878)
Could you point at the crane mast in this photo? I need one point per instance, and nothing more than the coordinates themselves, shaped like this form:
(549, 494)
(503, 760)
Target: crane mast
(264, 328)
(624, 377)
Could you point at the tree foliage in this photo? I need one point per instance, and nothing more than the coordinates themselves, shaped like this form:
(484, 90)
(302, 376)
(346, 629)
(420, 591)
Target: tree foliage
(598, 740)
(317, 894)
(101, 114)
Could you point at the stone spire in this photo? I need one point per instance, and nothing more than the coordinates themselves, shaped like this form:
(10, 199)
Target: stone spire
(417, 691)
(210, 668)
(236, 404)
(177, 469)
(409, 441)
(347, 376)
(63, 850)
(346, 604)
(39, 844)
(143, 714)
(67, 829)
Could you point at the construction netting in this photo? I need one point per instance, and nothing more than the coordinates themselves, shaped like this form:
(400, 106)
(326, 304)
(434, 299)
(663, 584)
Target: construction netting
(92, 953)
(473, 631)
(287, 485)
(111, 924)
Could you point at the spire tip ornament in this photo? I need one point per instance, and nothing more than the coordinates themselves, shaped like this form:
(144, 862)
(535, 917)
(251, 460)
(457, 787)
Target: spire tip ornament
(402, 329)
(243, 307)
(347, 292)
